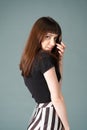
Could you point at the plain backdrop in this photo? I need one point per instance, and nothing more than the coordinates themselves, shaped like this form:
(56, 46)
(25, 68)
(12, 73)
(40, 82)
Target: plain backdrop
(16, 20)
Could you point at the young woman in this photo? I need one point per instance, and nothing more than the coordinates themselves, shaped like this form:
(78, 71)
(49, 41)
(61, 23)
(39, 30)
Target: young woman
(41, 66)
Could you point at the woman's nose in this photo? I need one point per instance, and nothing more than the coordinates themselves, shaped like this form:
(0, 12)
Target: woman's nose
(52, 42)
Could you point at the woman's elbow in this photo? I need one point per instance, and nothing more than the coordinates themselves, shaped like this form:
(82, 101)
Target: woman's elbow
(57, 100)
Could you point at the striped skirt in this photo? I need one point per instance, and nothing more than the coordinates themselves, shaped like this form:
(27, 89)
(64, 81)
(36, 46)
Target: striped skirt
(45, 118)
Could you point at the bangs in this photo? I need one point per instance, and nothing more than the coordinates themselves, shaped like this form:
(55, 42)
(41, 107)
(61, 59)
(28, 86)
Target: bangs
(50, 25)
(52, 29)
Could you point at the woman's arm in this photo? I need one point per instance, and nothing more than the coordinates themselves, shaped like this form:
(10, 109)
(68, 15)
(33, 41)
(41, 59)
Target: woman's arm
(55, 88)
(56, 96)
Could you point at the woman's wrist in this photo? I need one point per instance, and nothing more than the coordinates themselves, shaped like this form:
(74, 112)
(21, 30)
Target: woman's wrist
(67, 128)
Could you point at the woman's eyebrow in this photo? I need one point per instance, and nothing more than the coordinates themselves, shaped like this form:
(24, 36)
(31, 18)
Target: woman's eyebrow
(52, 34)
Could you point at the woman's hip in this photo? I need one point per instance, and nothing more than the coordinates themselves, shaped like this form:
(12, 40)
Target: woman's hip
(45, 118)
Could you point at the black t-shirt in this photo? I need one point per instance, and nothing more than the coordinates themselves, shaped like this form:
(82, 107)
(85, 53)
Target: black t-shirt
(36, 82)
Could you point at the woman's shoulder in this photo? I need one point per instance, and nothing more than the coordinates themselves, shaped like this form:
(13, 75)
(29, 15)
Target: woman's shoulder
(44, 54)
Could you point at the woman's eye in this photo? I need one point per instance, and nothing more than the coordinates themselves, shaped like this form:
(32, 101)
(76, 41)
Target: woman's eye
(47, 37)
(56, 40)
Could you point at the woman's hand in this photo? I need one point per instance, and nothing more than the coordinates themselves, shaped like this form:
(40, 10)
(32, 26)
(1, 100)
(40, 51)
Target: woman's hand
(61, 49)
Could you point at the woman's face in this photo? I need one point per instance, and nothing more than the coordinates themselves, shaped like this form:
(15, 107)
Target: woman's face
(49, 41)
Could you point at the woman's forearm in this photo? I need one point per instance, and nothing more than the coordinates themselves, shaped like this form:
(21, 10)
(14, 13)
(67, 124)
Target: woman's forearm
(60, 108)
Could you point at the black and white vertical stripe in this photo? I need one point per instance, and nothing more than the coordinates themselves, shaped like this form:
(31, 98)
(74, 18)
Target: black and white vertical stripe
(45, 118)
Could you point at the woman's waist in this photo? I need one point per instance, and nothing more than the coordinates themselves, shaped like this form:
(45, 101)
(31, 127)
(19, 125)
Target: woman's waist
(45, 105)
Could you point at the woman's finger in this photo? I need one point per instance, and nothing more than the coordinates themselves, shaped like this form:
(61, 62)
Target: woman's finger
(64, 46)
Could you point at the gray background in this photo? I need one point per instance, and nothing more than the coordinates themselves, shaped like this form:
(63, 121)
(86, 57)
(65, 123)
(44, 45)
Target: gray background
(16, 20)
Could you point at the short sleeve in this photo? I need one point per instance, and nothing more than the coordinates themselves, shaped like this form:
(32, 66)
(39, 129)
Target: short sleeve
(46, 62)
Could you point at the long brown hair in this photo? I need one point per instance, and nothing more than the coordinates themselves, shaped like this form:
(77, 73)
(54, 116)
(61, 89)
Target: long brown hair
(41, 27)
